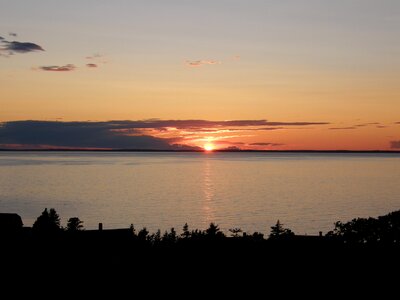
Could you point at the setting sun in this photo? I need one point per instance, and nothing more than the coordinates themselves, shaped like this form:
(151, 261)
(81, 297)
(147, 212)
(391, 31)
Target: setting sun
(209, 147)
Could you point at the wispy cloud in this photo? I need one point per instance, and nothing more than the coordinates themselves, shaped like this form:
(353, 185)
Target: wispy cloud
(395, 144)
(265, 144)
(13, 47)
(202, 62)
(295, 123)
(228, 143)
(342, 128)
(65, 68)
(12, 34)
(244, 128)
(95, 60)
(367, 124)
(199, 63)
(202, 124)
(95, 56)
(358, 126)
(266, 128)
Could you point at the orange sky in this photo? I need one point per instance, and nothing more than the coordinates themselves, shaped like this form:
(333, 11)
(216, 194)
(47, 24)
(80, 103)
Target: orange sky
(335, 63)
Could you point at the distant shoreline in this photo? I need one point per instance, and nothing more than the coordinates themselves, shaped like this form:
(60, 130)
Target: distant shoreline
(203, 151)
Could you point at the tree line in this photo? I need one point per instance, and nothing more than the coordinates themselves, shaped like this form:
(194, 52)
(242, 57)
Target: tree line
(384, 229)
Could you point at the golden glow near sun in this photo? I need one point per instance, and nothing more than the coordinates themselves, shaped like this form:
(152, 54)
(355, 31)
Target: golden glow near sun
(209, 147)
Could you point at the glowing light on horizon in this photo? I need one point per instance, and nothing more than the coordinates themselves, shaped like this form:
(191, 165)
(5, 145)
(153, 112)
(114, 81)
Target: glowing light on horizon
(209, 147)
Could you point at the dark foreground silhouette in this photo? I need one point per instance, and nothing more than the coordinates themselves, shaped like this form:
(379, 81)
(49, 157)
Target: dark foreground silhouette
(366, 247)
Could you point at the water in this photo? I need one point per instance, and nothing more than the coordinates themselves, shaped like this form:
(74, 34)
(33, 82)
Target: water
(306, 192)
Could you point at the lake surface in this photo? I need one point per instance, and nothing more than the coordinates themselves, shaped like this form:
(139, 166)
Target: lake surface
(306, 192)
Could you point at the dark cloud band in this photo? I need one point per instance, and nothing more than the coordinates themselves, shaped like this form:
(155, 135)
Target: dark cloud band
(75, 134)
(115, 134)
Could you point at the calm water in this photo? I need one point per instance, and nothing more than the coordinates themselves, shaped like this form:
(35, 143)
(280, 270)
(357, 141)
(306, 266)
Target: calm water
(306, 192)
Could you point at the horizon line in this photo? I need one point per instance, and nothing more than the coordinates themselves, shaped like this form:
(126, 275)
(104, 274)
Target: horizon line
(199, 150)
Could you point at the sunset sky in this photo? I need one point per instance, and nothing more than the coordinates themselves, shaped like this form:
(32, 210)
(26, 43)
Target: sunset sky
(169, 74)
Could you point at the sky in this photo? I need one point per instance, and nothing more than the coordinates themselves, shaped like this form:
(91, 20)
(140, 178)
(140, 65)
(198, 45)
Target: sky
(184, 74)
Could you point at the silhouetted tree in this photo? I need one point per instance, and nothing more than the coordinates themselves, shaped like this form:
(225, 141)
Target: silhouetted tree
(132, 228)
(186, 233)
(170, 237)
(74, 224)
(197, 234)
(279, 231)
(214, 231)
(155, 238)
(47, 222)
(142, 235)
(235, 232)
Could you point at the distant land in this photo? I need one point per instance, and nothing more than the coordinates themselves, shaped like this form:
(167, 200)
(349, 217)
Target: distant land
(200, 150)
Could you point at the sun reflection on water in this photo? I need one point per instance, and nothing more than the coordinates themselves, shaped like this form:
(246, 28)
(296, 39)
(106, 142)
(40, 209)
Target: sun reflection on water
(208, 188)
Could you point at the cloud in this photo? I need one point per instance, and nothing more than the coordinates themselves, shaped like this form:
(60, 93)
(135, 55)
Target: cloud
(381, 126)
(266, 144)
(19, 47)
(295, 123)
(395, 144)
(202, 124)
(227, 143)
(130, 134)
(66, 68)
(76, 134)
(239, 129)
(94, 56)
(199, 63)
(95, 60)
(367, 124)
(12, 34)
(1, 38)
(186, 124)
(343, 128)
(267, 128)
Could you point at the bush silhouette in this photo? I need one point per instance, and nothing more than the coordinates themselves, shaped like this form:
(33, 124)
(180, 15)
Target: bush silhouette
(235, 232)
(74, 224)
(384, 229)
